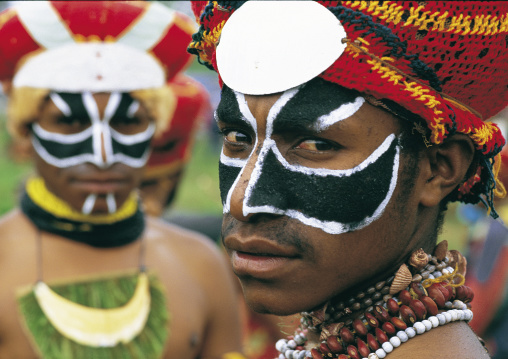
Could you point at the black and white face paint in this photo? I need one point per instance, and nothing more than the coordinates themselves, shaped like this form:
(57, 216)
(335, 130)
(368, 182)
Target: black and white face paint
(335, 201)
(98, 144)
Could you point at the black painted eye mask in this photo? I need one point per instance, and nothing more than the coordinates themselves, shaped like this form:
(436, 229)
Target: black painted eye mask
(335, 201)
(65, 150)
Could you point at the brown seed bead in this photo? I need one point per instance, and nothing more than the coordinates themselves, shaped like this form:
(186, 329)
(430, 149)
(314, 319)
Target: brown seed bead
(470, 295)
(447, 290)
(461, 293)
(359, 327)
(363, 349)
(381, 314)
(393, 306)
(430, 305)
(323, 348)
(371, 320)
(356, 306)
(346, 335)
(437, 295)
(316, 354)
(398, 323)
(381, 336)
(418, 290)
(372, 342)
(407, 315)
(418, 308)
(405, 297)
(353, 352)
(389, 328)
(334, 344)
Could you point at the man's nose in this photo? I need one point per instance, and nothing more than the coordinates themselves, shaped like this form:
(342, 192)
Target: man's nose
(237, 208)
(103, 150)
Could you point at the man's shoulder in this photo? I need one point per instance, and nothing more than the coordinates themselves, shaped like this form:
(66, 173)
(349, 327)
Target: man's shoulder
(163, 233)
(451, 341)
(13, 224)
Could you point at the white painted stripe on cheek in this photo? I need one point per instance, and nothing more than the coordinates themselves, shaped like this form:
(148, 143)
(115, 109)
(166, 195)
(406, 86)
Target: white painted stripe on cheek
(61, 138)
(57, 162)
(323, 172)
(339, 114)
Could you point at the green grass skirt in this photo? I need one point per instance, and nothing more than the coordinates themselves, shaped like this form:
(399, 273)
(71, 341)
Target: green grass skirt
(102, 293)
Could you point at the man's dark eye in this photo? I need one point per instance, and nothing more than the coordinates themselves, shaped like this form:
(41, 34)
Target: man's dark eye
(124, 121)
(235, 137)
(73, 121)
(315, 145)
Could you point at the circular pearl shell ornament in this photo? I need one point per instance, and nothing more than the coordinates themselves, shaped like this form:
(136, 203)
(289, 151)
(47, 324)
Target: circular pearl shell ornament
(279, 54)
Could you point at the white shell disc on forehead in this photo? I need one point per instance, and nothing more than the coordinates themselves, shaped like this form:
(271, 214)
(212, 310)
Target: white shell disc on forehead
(271, 46)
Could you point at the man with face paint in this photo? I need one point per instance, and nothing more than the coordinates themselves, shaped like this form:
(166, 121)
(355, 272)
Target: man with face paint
(84, 273)
(348, 127)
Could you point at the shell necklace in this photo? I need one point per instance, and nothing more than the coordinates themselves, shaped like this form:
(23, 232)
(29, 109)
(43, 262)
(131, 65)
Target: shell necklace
(425, 293)
(95, 327)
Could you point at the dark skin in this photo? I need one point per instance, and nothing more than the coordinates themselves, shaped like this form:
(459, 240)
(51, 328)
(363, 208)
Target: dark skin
(199, 288)
(311, 266)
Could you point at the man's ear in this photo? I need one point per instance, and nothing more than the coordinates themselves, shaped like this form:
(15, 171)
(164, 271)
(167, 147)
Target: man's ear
(445, 167)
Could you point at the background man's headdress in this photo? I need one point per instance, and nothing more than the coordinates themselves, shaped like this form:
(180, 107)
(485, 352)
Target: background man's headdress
(76, 46)
(443, 61)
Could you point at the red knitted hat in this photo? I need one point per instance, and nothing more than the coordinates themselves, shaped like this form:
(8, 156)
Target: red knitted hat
(170, 150)
(44, 44)
(445, 61)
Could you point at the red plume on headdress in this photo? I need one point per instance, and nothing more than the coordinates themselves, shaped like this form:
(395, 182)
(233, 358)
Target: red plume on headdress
(41, 26)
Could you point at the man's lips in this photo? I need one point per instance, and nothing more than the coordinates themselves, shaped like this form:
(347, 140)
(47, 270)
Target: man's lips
(99, 184)
(259, 258)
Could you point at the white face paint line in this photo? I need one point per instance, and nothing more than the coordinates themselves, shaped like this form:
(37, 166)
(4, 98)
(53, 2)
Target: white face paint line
(133, 108)
(133, 162)
(244, 109)
(93, 113)
(234, 162)
(339, 114)
(59, 137)
(267, 144)
(337, 227)
(60, 104)
(111, 202)
(89, 204)
(134, 139)
(249, 118)
(323, 172)
(57, 162)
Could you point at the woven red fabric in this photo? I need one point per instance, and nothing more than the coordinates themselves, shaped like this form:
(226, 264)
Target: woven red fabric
(445, 61)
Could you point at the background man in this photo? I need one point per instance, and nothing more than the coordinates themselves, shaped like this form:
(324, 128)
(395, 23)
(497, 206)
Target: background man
(87, 86)
(348, 127)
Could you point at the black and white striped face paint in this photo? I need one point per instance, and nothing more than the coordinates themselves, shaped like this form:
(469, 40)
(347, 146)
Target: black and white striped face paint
(333, 200)
(99, 143)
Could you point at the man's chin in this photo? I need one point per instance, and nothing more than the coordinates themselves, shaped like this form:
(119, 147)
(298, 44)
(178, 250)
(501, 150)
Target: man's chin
(265, 301)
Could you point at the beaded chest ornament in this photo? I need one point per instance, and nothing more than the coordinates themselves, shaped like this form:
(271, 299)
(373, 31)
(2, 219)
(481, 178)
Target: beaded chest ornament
(425, 293)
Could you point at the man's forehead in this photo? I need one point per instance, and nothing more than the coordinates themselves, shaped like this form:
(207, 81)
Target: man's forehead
(312, 101)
